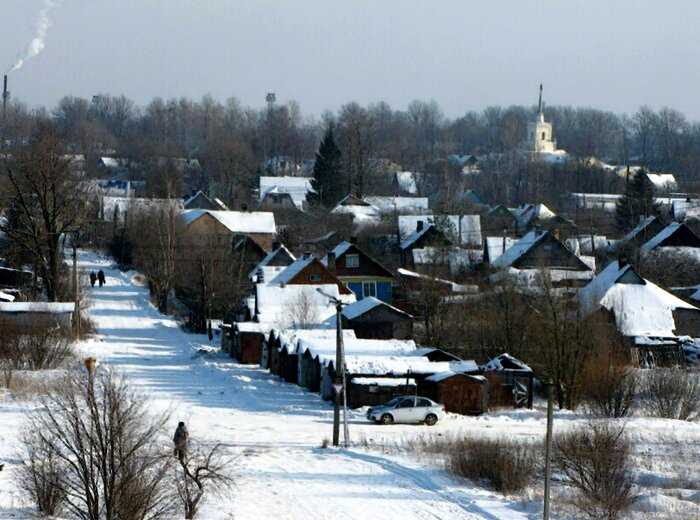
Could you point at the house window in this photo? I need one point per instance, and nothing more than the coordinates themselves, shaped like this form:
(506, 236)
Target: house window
(352, 261)
(543, 136)
(369, 289)
(315, 277)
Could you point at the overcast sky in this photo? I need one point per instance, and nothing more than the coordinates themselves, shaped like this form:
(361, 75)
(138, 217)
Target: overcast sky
(609, 54)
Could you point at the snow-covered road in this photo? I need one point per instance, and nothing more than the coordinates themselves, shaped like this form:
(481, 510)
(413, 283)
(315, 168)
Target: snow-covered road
(275, 428)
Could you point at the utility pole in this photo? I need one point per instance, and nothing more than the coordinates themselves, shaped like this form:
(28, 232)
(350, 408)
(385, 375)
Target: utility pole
(76, 290)
(339, 380)
(548, 449)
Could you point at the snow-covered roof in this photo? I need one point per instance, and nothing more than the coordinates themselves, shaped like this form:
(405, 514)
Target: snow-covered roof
(292, 270)
(466, 228)
(496, 246)
(253, 327)
(214, 200)
(6, 297)
(236, 221)
(291, 305)
(640, 309)
(499, 361)
(518, 249)
(367, 304)
(281, 250)
(383, 381)
(407, 182)
(530, 212)
(415, 236)
(39, 307)
(662, 235)
(455, 287)
(131, 204)
(399, 204)
(296, 187)
(362, 211)
(441, 376)
(639, 228)
(663, 181)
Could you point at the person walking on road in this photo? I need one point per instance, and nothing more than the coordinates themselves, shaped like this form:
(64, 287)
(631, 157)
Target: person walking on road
(101, 277)
(180, 440)
(93, 278)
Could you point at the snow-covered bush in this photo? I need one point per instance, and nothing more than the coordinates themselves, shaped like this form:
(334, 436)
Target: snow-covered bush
(40, 475)
(595, 461)
(507, 464)
(672, 393)
(610, 387)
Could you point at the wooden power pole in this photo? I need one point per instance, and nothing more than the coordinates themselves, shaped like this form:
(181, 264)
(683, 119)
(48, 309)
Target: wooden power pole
(76, 291)
(548, 449)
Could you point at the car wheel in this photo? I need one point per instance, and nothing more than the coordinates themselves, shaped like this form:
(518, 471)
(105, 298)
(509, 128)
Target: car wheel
(387, 419)
(431, 419)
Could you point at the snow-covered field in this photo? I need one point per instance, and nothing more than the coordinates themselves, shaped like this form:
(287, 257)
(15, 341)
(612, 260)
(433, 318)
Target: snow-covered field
(276, 430)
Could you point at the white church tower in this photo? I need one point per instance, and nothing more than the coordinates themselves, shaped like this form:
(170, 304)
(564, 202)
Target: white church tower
(539, 133)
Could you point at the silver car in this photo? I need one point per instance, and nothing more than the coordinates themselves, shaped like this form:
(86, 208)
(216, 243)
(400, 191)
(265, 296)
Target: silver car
(409, 409)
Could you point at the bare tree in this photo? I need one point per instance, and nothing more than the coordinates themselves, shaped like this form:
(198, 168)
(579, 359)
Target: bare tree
(302, 312)
(106, 445)
(47, 200)
(199, 473)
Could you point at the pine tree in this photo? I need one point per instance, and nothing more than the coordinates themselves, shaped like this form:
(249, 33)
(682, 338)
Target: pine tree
(637, 201)
(327, 182)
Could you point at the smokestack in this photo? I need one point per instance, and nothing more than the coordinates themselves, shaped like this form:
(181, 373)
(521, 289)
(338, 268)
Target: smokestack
(5, 97)
(331, 261)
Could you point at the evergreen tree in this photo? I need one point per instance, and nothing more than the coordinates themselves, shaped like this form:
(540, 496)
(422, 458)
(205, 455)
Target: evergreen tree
(637, 201)
(327, 180)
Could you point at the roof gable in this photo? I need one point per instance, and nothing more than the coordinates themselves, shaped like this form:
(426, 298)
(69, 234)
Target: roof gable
(345, 248)
(674, 235)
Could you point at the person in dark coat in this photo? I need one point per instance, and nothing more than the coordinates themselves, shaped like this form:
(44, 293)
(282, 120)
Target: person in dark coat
(93, 278)
(101, 277)
(180, 440)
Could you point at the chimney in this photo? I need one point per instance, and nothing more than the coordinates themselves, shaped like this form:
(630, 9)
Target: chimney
(353, 240)
(307, 254)
(419, 225)
(622, 261)
(331, 262)
(5, 97)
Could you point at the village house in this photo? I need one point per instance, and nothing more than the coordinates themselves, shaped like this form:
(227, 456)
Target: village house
(202, 201)
(675, 236)
(364, 275)
(284, 192)
(309, 270)
(651, 318)
(372, 318)
(462, 230)
(272, 264)
(361, 211)
(217, 229)
(647, 228)
(540, 251)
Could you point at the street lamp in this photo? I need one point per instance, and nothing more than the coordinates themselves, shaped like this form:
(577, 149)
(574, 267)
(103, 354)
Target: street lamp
(339, 380)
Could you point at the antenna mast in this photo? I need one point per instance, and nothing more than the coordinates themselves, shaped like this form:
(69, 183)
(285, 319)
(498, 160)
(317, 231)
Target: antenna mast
(539, 108)
(5, 97)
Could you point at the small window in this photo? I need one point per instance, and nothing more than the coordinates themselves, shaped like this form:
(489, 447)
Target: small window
(406, 403)
(352, 261)
(543, 136)
(423, 402)
(315, 277)
(369, 289)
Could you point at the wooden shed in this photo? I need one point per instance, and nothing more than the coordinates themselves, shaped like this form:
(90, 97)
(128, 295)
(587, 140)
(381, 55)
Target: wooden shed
(371, 318)
(465, 394)
(510, 382)
(38, 314)
(247, 342)
(374, 391)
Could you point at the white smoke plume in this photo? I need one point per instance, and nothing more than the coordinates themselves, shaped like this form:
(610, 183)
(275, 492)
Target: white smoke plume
(43, 24)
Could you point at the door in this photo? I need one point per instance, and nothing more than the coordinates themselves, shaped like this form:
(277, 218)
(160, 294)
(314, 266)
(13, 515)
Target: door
(404, 410)
(422, 406)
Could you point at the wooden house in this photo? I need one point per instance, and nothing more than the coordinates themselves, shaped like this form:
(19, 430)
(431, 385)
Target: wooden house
(202, 201)
(426, 235)
(651, 318)
(372, 318)
(674, 235)
(308, 270)
(272, 264)
(362, 274)
(498, 219)
(510, 382)
(216, 230)
(15, 278)
(647, 228)
(466, 394)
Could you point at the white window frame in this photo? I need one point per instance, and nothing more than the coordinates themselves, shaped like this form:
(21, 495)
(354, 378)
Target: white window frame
(371, 284)
(355, 261)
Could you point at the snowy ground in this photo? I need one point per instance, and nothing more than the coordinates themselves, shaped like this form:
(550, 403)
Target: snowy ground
(276, 430)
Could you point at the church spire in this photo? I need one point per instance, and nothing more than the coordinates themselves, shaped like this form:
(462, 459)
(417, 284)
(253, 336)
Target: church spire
(539, 108)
